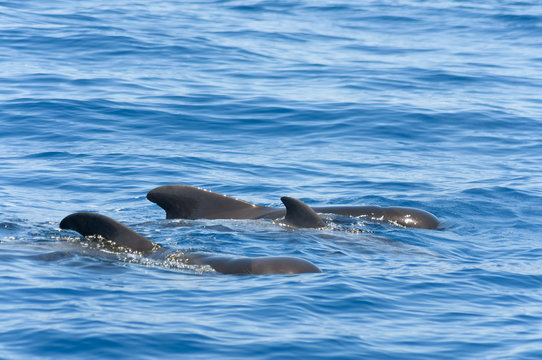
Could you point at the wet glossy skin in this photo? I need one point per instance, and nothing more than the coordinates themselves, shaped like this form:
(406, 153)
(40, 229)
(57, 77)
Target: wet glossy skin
(188, 202)
(90, 224)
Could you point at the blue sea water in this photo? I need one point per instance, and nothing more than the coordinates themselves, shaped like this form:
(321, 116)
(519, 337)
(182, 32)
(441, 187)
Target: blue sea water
(435, 105)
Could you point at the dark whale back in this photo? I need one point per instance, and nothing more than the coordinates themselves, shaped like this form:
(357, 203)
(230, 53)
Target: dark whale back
(90, 224)
(188, 202)
(256, 266)
(404, 216)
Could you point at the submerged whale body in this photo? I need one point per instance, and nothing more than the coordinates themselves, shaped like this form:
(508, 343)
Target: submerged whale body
(91, 224)
(188, 202)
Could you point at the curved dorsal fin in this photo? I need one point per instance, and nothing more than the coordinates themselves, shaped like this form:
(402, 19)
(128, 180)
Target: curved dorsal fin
(300, 214)
(188, 202)
(89, 224)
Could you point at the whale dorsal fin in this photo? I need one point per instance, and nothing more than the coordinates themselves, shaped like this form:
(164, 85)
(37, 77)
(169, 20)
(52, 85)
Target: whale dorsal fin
(188, 202)
(90, 224)
(300, 214)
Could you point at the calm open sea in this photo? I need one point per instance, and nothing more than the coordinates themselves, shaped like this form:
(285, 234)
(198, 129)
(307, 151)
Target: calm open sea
(430, 104)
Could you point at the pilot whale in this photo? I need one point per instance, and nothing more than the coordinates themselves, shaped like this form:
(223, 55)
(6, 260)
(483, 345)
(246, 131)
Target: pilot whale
(91, 224)
(188, 202)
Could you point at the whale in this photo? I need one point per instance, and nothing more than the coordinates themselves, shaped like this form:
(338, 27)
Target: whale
(299, 214)
(188, 202)
(120, 237)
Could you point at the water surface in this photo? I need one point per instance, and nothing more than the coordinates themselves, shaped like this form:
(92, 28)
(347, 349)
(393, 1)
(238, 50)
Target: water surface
(434, 105)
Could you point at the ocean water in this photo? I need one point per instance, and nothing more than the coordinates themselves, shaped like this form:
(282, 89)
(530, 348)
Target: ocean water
(430, 104)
